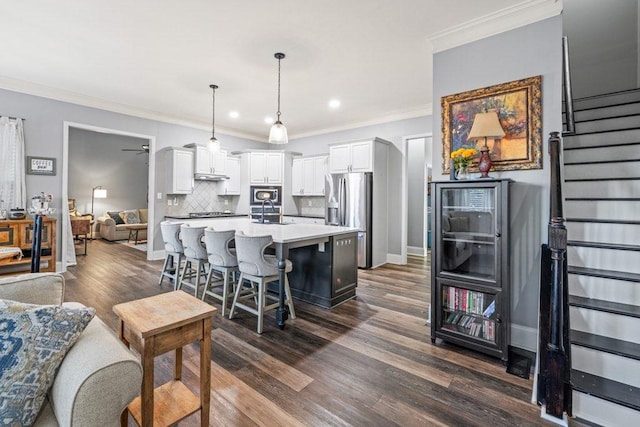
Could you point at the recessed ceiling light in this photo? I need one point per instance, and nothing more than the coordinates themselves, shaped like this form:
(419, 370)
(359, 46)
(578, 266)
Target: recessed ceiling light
(334, 103)
(268, 120)
(234, 114)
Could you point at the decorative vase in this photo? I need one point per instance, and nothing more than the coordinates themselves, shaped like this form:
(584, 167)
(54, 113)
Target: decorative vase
(462, 172)
(484, 164)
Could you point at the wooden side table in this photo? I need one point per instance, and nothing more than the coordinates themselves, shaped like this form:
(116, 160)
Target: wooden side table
(134, 229)
(154, 326)
(81, 226)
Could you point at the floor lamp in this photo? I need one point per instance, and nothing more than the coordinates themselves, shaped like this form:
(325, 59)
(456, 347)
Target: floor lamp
(97, 192)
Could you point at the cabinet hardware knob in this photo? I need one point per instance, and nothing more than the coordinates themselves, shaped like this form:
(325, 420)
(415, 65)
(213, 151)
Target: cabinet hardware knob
(498, 235)
(498, 320)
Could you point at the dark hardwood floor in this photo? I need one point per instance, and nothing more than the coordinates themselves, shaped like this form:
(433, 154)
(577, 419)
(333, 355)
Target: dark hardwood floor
(368, 362)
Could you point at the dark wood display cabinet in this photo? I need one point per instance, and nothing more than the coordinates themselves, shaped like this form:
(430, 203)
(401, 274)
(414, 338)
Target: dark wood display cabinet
(470, 264)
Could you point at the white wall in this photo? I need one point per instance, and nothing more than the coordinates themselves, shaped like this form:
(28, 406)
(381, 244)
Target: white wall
(524, 52)
(392, 132)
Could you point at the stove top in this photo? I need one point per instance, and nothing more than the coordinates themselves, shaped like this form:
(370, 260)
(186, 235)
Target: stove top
(208, 214)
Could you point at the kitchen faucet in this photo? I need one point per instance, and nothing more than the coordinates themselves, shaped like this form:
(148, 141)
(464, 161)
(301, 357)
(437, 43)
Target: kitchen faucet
(272, 209)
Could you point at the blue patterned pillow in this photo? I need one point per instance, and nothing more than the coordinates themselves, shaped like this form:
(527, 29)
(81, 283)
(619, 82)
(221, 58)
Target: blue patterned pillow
(130, 217)
(33, 341)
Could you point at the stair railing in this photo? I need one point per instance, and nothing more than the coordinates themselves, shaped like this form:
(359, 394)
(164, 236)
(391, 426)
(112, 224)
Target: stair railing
(570, 122)
(554, 378)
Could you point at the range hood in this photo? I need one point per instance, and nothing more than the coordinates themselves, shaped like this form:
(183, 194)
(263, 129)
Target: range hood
(208, 177)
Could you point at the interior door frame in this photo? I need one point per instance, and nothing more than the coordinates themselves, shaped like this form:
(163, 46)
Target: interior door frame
(405, 193)
(65, 183)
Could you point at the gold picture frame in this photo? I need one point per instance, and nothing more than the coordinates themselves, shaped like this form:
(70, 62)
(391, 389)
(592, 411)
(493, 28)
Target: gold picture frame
(519, 107)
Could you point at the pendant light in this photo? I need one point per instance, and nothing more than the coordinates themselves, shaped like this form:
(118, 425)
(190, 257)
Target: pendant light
(213, 144)
(278, 134)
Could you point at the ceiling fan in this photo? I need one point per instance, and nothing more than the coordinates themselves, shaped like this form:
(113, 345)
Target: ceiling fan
(143, 149)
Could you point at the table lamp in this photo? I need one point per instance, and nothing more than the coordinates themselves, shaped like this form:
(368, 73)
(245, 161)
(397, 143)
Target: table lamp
(485, 125)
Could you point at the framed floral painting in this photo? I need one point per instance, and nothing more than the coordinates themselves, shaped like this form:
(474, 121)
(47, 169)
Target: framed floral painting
(519, 107)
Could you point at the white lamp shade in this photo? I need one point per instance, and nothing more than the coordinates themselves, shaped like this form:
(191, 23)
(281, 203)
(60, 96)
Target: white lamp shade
(486, 125)
(278, 134)
(100, 193)
(213, 146)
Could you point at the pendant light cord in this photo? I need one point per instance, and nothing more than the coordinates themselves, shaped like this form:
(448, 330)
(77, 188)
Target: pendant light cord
(278, 113)
(213, 114)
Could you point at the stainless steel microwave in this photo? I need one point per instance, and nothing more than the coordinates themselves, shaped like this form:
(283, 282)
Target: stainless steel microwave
(260, 193)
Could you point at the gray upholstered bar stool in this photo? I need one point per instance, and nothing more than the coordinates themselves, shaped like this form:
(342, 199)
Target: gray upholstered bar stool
(195, 254)
(258, 268)
(222, 259)
(174, 252)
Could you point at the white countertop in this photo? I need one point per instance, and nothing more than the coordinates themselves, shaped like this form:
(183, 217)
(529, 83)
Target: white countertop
(281, 233)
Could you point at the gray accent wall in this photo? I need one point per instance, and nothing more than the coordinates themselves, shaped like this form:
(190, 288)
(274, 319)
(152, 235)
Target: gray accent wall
(97, 159)
(393, 132)
(528, 51)
(603, 45)
(44, 126)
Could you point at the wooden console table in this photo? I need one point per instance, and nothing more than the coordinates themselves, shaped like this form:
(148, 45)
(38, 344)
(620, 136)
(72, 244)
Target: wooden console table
(19, 233)
(154, 326)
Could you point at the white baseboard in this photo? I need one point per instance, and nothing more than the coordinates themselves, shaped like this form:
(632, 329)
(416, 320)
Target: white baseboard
(416, 250)
(524, 337)
(395, 259)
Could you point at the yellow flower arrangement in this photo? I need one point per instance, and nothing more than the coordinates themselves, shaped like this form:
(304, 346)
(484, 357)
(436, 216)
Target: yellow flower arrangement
(463, 156)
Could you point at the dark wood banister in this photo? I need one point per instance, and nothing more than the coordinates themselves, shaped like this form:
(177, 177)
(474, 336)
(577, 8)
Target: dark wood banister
(570, 121)
(554, 388)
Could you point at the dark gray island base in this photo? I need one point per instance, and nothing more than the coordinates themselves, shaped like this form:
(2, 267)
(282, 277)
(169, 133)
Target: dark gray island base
(325, 274)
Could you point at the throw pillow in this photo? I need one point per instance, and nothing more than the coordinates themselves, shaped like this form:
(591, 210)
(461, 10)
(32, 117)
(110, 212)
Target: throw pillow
(130, 217)
(33, 341)
(116, 217)
(144, 215)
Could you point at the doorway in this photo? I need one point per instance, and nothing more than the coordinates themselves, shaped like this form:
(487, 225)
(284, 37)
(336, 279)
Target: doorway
(112, 159)
(417, 167)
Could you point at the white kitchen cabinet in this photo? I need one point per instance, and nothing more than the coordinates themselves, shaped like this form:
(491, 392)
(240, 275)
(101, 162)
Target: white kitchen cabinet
(351, 157)
(297, 177)
(231, 186)
(319, 173)
(307, 176)
(179, 171)
(208, 162)
(266, 167)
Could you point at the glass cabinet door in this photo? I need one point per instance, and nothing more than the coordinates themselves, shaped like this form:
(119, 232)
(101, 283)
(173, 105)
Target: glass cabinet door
(468, 232)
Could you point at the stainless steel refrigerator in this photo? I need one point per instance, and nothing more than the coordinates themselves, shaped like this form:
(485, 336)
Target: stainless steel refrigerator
(349, 199)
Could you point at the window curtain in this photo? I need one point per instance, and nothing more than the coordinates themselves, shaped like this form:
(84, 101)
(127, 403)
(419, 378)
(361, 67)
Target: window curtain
(12, 164)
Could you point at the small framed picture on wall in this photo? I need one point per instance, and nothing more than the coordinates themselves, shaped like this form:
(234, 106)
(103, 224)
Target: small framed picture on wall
(41, 165)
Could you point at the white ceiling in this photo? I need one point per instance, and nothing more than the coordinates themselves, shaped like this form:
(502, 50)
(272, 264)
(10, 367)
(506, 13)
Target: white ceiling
(156, 58)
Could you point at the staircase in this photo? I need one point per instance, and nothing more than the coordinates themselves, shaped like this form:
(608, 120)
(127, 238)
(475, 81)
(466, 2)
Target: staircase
(602, 209)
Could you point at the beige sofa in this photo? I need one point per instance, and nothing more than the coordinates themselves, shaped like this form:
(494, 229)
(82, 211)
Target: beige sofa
(109, 230)
(98, 377)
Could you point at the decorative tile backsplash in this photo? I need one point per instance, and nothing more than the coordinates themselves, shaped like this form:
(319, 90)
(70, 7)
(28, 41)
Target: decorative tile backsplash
(310, 206)
(203, 199)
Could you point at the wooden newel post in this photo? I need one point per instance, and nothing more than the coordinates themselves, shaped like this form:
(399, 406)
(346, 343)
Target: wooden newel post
(558, 361)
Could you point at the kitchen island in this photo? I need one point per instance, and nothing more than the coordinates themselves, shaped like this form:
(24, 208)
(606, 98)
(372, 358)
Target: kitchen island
(324, 258)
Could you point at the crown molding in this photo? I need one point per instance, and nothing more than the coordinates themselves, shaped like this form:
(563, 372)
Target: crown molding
(425, 110)
(506, 19)
(87, 101)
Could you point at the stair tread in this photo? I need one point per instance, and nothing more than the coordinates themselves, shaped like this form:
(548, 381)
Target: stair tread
(604, 221)
(603, 388)
(606, 306)
(606, 344)
(618, 246)
(589, 147)
(599, 162)
(608, 274)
